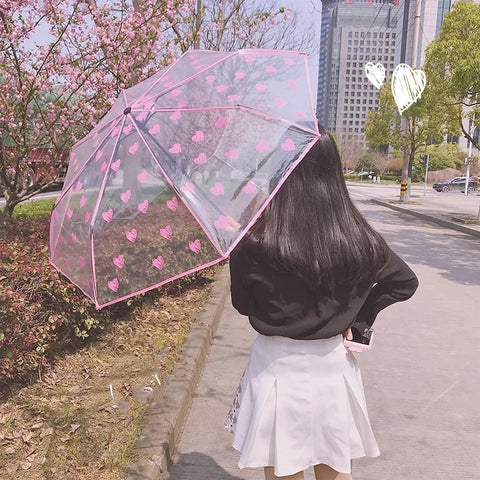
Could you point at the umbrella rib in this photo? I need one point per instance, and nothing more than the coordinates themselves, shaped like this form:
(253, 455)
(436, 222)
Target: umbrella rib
(84, 166)
(165, 173)
(95, 211)
(170, 182)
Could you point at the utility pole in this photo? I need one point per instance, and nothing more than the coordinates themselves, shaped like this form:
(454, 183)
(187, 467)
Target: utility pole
(416, 33)
(405, 184)
(406, 12)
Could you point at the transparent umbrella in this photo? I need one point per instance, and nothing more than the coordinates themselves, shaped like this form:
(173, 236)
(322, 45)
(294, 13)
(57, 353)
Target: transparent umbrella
(179, 169)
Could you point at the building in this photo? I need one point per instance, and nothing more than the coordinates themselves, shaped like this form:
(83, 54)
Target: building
(353, 33)
(430, 21)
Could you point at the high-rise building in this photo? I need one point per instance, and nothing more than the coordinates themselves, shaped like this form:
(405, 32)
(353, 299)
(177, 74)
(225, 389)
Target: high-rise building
(353, 33)
(430, 20)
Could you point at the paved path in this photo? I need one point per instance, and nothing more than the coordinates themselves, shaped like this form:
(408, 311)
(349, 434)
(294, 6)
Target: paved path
(421, 379)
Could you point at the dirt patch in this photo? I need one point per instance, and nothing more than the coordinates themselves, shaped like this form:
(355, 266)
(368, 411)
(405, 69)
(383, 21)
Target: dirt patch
(81, 419)
(467, 220)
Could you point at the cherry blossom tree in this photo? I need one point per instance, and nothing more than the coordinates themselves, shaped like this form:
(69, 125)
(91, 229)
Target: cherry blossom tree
(53, 90)
(64, 62)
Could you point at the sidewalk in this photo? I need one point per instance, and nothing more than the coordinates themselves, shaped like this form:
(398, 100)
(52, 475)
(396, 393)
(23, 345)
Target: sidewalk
(448, 211)
(204, 450)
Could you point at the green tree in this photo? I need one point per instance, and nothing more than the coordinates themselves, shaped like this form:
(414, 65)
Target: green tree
(453, 64)
(426, 121)
(445, 155)
(440, 156)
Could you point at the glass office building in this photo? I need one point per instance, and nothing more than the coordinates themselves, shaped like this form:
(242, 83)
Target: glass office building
(353, 33)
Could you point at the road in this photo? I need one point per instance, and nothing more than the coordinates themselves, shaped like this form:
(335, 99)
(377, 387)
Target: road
(357, 190)
(381, 191)
(40, 196)
(421, 378)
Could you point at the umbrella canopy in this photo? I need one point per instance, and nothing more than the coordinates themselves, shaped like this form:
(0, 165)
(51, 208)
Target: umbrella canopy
(179, 169)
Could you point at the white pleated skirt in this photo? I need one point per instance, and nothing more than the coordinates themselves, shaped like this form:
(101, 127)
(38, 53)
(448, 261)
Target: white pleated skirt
(300, 403)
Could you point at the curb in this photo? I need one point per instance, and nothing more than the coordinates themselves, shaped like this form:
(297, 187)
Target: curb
(429, 218)
(169, 409)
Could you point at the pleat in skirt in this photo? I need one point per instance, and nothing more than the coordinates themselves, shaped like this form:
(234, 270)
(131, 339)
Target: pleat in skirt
(300, 403)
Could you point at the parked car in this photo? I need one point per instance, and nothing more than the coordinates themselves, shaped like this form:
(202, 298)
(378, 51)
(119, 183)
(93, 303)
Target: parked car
(456, 184)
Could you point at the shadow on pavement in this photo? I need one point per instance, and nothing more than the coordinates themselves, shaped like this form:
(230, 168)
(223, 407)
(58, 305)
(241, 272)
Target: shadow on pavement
(200, 466)
(448, 251)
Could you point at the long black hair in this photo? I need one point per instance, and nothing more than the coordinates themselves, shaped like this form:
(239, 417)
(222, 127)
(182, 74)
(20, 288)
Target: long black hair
(312, 229)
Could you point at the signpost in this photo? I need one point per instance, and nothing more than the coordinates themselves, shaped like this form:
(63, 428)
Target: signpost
(424, 161)
(468, 163)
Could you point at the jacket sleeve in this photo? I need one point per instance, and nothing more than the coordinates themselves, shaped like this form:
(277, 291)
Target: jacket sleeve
(395, 282)
(238, 287)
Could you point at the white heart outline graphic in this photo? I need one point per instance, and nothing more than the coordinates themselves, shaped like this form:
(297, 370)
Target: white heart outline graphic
(407, 85)
(375, 73)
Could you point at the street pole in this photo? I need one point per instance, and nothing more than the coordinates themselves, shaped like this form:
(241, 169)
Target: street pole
(467, 160)
(405, 185)
(406, 13)
(426, 175)
(416, 33)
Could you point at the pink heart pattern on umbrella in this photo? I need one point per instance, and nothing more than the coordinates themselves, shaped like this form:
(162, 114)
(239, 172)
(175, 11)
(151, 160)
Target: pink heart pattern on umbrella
(195, 246)
(158, 262)
(108, 215)
(113, 284)
(262, 146)
(172, 204)
(198, 136)
(166, 232)
(143, 206)
(125, 196)
(119, 261)
(201, 159)
(221, 222)
(131, 235)
(217, 189)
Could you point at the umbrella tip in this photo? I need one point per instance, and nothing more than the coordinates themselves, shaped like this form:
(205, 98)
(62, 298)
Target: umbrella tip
(127, 110)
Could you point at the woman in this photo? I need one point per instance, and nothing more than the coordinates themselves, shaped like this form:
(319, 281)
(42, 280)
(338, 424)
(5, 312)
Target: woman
(309, 270)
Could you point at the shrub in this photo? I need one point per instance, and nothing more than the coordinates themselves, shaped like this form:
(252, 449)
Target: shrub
(42, 314)
(391, 177)
(39, 309)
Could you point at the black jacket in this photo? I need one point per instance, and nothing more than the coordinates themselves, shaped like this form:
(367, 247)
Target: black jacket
(277, 303)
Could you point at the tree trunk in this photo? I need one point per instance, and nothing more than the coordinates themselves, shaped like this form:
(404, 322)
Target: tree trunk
(198, 25)
(6, 214)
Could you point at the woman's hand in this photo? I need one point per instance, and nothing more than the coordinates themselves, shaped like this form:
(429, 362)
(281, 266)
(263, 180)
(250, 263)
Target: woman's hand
(348, 334)
(233, 225)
